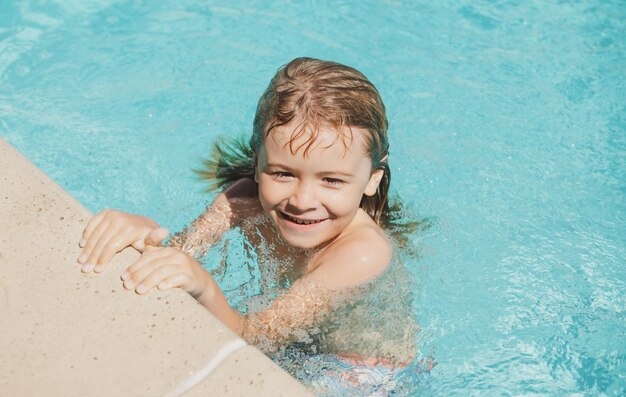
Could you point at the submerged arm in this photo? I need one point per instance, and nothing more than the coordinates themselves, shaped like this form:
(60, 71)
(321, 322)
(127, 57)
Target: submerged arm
(227, 210)
(334, 281)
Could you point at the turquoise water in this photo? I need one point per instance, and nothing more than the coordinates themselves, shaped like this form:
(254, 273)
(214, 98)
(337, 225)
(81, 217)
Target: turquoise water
(508, 128)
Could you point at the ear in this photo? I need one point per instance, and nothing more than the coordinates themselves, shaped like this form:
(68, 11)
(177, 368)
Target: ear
(372, 184)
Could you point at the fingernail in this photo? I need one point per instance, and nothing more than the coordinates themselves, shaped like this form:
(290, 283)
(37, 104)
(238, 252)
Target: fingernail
(125, 276)
(87, 267)
(82, 243)
(128, 284)
(140, 289)
(82, 258)
(98, 268)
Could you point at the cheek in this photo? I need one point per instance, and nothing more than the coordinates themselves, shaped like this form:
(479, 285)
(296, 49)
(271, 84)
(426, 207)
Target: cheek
(270, 193)
(264, 197)
(344, 202)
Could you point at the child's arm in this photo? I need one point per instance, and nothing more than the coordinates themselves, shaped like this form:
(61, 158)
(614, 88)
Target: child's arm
(111, 231)
(227, 210)
(334, 280)
(349, 264)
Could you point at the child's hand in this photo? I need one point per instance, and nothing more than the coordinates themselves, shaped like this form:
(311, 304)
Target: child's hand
(166, 268)
(110, 231)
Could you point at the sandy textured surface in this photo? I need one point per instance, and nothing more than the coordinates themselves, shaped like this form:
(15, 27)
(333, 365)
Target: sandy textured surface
(66, 333)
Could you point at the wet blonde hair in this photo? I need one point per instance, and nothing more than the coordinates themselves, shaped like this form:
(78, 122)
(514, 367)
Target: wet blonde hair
(314, 93)
(317, 94)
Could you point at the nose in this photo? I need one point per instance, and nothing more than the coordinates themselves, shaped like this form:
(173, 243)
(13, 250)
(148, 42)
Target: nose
(303, 197)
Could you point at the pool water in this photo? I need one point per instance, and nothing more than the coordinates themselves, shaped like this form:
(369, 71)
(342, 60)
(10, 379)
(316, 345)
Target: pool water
(508, 129)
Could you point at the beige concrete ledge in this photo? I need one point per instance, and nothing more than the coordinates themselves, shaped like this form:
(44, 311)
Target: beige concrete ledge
(64, 333)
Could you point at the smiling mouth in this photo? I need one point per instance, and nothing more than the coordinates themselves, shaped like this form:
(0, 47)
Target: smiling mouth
(300, 221)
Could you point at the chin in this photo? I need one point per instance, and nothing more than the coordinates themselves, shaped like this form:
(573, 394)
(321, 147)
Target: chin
(302, 243)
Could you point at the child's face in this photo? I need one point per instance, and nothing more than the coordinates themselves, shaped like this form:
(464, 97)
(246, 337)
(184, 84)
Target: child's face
(312, 199)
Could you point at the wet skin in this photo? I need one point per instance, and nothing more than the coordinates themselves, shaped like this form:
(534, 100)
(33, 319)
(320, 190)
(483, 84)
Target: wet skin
(312, 198)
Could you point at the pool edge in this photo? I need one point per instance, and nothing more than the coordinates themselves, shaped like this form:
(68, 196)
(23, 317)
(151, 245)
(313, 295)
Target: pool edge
(66, 333)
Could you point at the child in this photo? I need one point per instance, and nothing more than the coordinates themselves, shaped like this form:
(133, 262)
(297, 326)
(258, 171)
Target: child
(310, 192)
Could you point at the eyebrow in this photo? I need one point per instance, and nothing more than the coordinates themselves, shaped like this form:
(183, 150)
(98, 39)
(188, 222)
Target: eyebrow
(323, 173)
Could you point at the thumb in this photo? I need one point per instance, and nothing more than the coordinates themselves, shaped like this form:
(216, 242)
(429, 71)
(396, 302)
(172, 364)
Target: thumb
(156, 237)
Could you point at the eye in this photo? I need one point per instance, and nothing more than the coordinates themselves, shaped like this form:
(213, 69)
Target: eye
(334, 181)
(281, 175)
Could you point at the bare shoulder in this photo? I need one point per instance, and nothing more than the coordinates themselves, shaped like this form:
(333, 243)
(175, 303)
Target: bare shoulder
(244, 187)
(242, 190)
(358, 257)
(238, 201)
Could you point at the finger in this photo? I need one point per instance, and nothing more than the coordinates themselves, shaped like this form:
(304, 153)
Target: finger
(92, 241)
(132, 274)
(91, 226)
(177, 280)
(165, 271)
(109, 234)
(156, 237)
(150, 275)
(113, 246)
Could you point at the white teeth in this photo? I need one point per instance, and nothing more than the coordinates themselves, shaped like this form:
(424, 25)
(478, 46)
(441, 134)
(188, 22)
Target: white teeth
(300, 222)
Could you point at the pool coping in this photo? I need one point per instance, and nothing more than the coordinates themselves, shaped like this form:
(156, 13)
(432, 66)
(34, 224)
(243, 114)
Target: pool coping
(69, 333)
